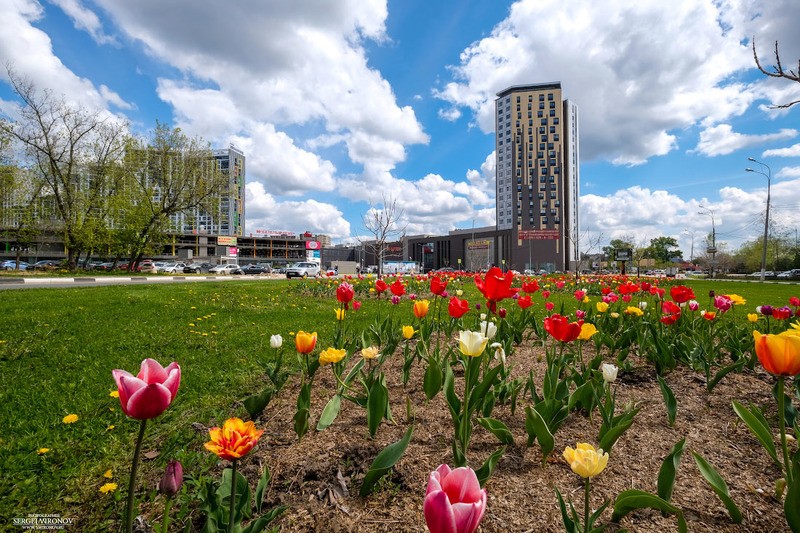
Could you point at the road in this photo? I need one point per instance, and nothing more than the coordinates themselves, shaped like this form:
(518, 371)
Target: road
(37, 282)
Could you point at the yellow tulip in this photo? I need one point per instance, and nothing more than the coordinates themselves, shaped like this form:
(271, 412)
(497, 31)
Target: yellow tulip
(331, 355)
(370, 353)
(779, 354)
(420, 308)
(614, 315)
(472, 343)
(408, 332)
(585, 460)
(339, 314)
(631, 310)
(752, 317)
(736, 299)
(602, 307)
(587, 330)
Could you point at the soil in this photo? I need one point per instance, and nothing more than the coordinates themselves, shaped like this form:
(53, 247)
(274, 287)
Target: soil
(319, 477)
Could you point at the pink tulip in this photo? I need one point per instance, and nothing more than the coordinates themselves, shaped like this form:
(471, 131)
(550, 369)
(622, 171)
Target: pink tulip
(148, 394)
(454, 501)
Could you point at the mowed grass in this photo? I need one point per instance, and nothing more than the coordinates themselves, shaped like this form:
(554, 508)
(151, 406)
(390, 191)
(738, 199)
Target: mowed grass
(59, 346)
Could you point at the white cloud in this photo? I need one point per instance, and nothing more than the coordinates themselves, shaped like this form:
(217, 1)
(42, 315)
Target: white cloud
(788, 172)
(264, 212)
(450, 114)
(722, 140)
(791, 151)
(635, 80)
(86, 20)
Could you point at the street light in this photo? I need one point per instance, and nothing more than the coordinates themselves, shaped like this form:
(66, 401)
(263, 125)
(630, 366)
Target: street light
(768, 175)
(713, 248)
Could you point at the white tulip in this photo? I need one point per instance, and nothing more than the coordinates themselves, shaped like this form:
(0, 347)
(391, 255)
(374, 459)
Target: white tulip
(609, 373)
(276, 341)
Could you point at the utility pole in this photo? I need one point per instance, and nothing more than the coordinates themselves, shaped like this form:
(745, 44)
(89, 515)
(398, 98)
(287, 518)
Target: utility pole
(768, 175)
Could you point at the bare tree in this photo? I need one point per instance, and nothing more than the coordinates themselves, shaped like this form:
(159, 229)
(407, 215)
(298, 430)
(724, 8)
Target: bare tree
(71, 151)
(383, 223)
(778, 72)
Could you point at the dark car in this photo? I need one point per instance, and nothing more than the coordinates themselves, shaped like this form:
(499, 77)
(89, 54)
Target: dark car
(45, 264)
(254, 269)
(197, 268)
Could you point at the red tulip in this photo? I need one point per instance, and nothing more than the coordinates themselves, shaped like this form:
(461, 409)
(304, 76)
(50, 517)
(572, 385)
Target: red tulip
(454, 501)
(345, 293)
(681, 294)
(561, 329)
(672, 312)
(530, 287)
(172, 480)
(148, 394)
(381, 286)
(457, 308)
(438, 286)
(524, 302)
(397, 288)
(549, 306)
(579, 294)
(496, 286)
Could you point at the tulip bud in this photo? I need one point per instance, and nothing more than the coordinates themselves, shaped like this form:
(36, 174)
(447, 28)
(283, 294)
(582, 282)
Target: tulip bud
(276, 341)
(609, 373)
(172, 480)
(501, 312)
(780, 486)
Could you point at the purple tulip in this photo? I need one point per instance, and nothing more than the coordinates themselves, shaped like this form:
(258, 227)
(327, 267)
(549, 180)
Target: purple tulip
(454, 501)
(172, 480)
(395, 300)
(149, 393)
(580, 314)
(765, 310)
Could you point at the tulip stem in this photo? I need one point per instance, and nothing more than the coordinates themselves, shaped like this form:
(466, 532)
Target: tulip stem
(787, 466)
(165, 521)
(132, 482)
(586, 505)
(233, 496)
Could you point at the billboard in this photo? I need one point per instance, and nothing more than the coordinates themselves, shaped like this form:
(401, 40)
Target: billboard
(539, 234)
(313, 245)
(226, 241)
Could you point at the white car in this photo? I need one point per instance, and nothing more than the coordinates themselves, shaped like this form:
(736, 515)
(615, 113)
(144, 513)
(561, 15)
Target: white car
(794, 273)
(302, 270)
(171, 268)
(225, 269)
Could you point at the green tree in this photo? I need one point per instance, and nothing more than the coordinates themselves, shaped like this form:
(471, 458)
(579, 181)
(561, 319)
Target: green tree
(664, 249)
(71, 153)
(162, 177)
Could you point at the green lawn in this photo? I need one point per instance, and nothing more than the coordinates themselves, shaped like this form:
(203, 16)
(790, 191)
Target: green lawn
(58, 347)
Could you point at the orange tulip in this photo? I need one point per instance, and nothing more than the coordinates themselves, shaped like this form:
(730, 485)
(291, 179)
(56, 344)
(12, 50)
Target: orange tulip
(305, 342)
(234, 440)
(420, 308)
(779, 354)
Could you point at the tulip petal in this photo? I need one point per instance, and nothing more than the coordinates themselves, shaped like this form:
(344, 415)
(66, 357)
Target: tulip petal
(468, 515)
(438, 513)
(127, 386)
(173, 380)
(148, 402)
(152, 372)
(462, 485)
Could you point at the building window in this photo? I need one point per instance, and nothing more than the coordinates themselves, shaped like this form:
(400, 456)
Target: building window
(541, 98)
(549, 96)
(544, 122)
(552, 112)
(555, 120)
(552, 105)
(539, 114)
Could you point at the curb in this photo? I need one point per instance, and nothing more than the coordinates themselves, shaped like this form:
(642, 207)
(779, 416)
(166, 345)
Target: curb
(82, 280)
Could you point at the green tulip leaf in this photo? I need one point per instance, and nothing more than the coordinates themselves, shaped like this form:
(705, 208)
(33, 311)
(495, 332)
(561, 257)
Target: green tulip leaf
(571, 523)
(758, 426)
(256, 403)
(432, 382)
(260, 488)
(631, 500)
(376, 406)
(479, 392)
(498, 429)
(537, 429)
(384, 461)
(485, 471)
(609, 438)
(669, 400)
(669, 469)
(329, 413)
(720, 487)
(738, 365)
(242, 504)
(354, 371)
(791, 505)
(449, 392)
(301, 422)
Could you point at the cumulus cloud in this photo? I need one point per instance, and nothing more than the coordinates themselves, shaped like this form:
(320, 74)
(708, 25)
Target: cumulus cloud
(721, 139)
(788, 172)
(634, 81)
(791, 151)
(86, 20)
(264, 212)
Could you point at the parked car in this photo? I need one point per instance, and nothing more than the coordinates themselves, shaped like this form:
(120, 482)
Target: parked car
(226, 269)
(172, 268)
(794, 273)
(45, 264)
(254, 269)
(197, 268)
(302, 270)
(12, 265)
(767, 274)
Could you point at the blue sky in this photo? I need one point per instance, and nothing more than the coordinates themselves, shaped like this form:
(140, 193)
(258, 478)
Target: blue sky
(338, 104)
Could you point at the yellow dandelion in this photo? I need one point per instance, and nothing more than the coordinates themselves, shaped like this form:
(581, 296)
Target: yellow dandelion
(110, 427)
(191, 324)
(108, 474)
(108, 487)
(114, 394)
(42, 451)
(70, 419)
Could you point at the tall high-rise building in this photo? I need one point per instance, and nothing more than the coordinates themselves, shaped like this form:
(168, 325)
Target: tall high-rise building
(225, 213)
(537, 186)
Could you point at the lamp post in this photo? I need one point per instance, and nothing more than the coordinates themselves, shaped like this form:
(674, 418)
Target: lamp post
(713, 248)
(691, 253)
(768, 175)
